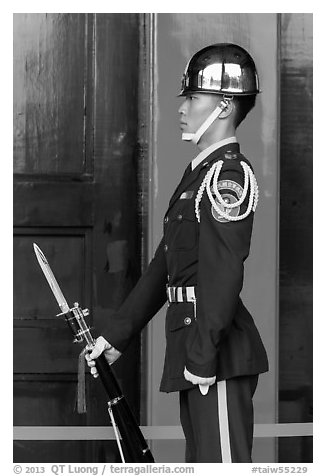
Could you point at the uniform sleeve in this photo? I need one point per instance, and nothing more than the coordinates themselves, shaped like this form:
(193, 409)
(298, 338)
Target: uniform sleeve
(223, 248)
(144, 301)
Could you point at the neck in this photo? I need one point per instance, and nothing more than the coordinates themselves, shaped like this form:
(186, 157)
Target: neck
(216, 135)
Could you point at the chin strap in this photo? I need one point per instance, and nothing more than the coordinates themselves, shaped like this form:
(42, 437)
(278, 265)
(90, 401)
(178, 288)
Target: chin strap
(195, 136)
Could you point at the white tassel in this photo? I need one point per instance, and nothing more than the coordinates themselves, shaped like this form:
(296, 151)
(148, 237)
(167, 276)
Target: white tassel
(81, 387)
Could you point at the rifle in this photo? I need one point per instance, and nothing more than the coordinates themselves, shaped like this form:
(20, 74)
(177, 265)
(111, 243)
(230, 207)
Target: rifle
(122, 418)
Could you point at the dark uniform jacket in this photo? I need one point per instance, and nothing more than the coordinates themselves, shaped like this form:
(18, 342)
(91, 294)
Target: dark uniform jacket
(221, 339)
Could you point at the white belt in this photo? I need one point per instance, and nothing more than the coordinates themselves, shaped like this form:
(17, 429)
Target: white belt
(181, 293)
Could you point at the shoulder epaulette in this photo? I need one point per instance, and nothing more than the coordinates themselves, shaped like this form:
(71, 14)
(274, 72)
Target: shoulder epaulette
(210, 183)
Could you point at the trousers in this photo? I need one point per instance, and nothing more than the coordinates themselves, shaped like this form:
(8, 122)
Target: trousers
(218, 426)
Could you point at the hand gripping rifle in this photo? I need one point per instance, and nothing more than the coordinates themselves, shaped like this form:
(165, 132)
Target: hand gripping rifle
(122, 418)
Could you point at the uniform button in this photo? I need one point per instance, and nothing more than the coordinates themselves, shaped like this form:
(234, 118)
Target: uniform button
(165, 247)
(166, 219)
(180, 217)
(187, 321)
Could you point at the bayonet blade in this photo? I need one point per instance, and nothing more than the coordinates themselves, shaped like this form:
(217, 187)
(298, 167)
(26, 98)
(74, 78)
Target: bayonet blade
(43, 262)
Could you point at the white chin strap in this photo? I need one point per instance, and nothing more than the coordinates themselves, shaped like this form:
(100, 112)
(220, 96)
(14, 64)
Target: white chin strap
(195, 136)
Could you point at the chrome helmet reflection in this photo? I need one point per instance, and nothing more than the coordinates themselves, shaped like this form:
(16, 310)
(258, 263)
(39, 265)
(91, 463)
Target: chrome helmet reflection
(223, 68)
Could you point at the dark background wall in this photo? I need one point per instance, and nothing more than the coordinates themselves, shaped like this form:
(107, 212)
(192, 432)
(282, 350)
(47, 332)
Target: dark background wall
(296, 205)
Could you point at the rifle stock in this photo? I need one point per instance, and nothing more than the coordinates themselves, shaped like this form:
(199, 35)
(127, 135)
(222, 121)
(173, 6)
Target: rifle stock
(136, 449)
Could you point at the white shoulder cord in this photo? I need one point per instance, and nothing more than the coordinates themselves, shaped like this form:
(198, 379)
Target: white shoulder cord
(211, 179)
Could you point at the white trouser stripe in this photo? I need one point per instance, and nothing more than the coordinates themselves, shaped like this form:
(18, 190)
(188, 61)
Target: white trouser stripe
(224, 422)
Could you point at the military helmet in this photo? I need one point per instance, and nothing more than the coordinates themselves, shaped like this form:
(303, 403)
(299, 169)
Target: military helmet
(222, 68)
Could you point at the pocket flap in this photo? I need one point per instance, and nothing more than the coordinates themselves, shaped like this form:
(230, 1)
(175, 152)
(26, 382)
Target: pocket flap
(183, 319)
(185, 210)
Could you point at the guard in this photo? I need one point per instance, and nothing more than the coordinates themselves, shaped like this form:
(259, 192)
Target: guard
(214, 352)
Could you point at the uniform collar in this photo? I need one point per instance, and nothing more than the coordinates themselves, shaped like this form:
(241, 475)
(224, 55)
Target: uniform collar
(188, 179)
(206, 152)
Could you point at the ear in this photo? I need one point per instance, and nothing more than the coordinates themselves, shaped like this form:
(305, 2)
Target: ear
(228, 110)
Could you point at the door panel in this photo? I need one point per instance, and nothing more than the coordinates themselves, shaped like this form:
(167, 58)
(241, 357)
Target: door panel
(35, 205)
(50, 69)
(53, 406)
(67, 255)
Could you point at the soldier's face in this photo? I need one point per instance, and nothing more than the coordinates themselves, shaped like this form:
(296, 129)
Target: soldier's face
(195, 109)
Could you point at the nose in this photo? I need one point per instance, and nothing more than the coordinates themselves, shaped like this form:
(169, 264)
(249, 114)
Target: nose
(182, 108)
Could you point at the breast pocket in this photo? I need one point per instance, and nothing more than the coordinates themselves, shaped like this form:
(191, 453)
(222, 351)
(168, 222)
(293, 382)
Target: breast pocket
(181, 227)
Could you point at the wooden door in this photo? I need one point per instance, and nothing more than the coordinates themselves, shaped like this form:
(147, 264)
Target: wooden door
(75, 195)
